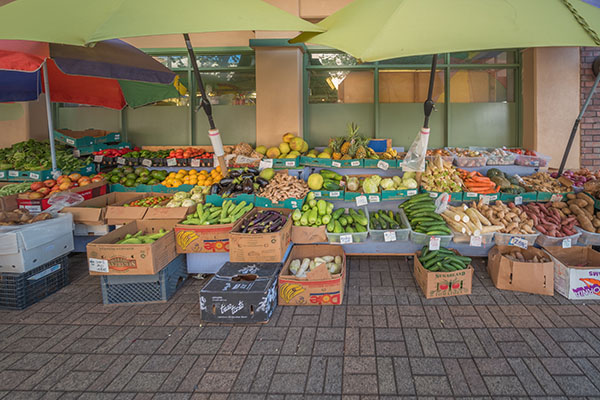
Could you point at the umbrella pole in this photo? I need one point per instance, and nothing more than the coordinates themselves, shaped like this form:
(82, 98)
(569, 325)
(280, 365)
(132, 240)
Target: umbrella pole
(429, 105)
(49, 115)
(213, 133)
(578, 120)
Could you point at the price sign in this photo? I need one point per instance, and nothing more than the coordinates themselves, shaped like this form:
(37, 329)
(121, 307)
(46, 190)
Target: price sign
(317, 194)
(556, 197)
(518, 242)
(475, 241)
(97, 265)
(2, 175)
(71, 142)
(389, 236)
(434, 243)
(336, 164)
(98, 159)
(346, 239)
(411, 192)
(355, 163)
(485, 199)
(471, 194)
(33, 209)
(121, 160)
(433, 195)
(383, 165)
(171, 162)
(334, 194)
(361, 201)
(33, 175)
(566, 243)
(290, 163)
(118, 136)
(146, 162)
(267, 163)
(76, 153)
(374, 199)
(13, 174)
(518, 200)
(195, 162)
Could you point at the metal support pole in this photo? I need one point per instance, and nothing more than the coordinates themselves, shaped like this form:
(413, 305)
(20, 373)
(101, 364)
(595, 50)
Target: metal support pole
(576, 124)
(213, 133)
(49, 115)
(429, 105)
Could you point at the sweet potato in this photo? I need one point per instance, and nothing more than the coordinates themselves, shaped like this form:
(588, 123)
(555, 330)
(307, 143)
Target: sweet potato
(559, 204)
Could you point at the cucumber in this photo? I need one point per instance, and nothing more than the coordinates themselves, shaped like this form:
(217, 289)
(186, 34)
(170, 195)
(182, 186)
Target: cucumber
(342, 220)
(349, 229)
(424, 251)
(359, 228)
(337, 213)
(435, 268)
(428, 256)
(439, 232)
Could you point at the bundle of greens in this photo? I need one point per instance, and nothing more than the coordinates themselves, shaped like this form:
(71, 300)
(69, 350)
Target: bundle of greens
(33, 155)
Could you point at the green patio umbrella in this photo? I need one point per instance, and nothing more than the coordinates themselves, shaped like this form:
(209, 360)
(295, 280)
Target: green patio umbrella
(373, 30)
(80, 22)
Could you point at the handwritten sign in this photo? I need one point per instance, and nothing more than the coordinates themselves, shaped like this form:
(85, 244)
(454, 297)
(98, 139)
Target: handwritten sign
(361, 201)
(434, 243)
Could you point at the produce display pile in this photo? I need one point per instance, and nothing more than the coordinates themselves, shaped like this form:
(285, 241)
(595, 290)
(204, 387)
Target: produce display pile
(264, 221)
(314, 212)
(131, 177)
(420, 211)
(150, 201)
(503, 217)
(442, 260)
(14, 188)
(33, 155)
(209, 214)
(517, 255)
(188, 199)
(282, 187)
(348, 220)
(181, 157)
(21, 216)
(300, 267)
(50, 187)
(238, 181)
(441, 176)
(139, 238)
(384, 220)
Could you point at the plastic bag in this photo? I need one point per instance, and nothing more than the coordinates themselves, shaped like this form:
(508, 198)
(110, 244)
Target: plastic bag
(415, 158)
(62, 200)
(441, 203)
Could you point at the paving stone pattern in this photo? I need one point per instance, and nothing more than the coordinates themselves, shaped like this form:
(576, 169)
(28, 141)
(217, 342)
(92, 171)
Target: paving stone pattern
(386, 341)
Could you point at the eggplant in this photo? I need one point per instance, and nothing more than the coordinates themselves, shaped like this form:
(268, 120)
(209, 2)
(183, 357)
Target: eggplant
(246, 175)
(214, 188)
(248, 186)
(226, 181)
(234, 173)
(227, 190)
(238, 188)
(261, 181)
(252, 171)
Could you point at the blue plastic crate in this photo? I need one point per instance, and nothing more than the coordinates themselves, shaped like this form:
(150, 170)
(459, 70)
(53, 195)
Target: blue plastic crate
(19, 291)
(145, 288)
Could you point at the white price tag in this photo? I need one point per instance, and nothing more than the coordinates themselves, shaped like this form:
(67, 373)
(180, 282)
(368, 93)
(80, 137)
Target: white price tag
(76, 153)
(98, 265)
(485, 199)
(374, 199)
(493, 197)
(334, 194)
(266, 163)
(518, 242)
(411, 192)
(98, 158)
(70, 141)
(317, 194)
(518, 200)
(346, 239)
(434, 243)
(566, 243)
(290, 163)
(2, 175)
(146, 162)
(433, 195)
(361, 201)
(13, 174)
(33, 175)
(355, 163)
(195, 162)
(475, 241)
(556, 197)
(471, 194)
(383, 165)
(389, 236)
(171, 162)
(336, 164)
(118, 136)
(33, 209)
(121, 160)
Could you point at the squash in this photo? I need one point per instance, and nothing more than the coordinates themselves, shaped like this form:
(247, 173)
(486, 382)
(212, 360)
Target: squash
(492, 172)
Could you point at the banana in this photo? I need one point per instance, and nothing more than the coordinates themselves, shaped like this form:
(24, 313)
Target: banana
(184, 238)
(290, 290)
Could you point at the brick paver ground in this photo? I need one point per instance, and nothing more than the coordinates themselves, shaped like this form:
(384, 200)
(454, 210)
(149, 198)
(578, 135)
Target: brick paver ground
(386, 341)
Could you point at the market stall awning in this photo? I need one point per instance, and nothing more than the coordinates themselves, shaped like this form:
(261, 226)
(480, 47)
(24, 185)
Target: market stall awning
(79, 22)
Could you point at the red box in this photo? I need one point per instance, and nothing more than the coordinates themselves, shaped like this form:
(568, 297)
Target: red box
(88, 192)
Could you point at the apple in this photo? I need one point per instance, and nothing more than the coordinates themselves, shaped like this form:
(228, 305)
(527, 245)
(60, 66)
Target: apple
(43, 190)
(49, 183)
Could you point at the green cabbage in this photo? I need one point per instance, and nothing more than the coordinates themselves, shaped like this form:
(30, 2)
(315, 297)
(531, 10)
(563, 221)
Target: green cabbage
(410, 183)
(371, 185)
(387, 184)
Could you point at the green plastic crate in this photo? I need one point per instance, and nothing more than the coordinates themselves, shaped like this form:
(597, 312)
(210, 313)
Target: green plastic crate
(218, 200)
(454, 196)
(329, 194)
(545, 196)
(527, 197)
(288, 203)
(398, 194)
(369, 163)
(315, 162)
(347, 163)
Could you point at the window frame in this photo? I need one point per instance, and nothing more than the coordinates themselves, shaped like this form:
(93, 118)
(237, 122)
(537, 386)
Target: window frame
(443, 65)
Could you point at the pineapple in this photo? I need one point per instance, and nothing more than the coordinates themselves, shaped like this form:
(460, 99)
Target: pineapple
(351, 138)
(346, 148)
(346, 157)
(335, 144)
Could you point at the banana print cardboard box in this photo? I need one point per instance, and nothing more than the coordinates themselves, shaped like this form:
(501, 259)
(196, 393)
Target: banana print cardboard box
(240, 293)
(319, 288)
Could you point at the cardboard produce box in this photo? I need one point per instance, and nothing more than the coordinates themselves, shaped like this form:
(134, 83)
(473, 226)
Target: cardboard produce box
(25, 247)
(240, 292)
(107, 258)
(93, 211)
(259, 247)
(576, 272)
(525, 277)
(442, 284)
(202, 238)
(309, 234)
(117, 214)
(90, 191)
(319, 288)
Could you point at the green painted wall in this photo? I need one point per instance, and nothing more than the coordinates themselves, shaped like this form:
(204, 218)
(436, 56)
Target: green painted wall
(235, 123)
(81, 118)
(158, 126)
(402, 121)
(327, 120)
(483, 124)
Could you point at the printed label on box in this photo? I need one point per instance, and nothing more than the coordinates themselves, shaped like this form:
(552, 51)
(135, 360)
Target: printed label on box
(98, 265)
(33, 209)
(290, 163)
(13, 173)
(2, 174)
(268, 163)
(389, 236)
(383, 165)
(556, 197)
(361, 201)
(412, 192)
(71, 141)
(336, 164)
(33, 175)
(471, 194)
(118, 136)
(76, 153)
(346, 239)
(44, 273)
(56, 174)
(317, 194)
(433, 195)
